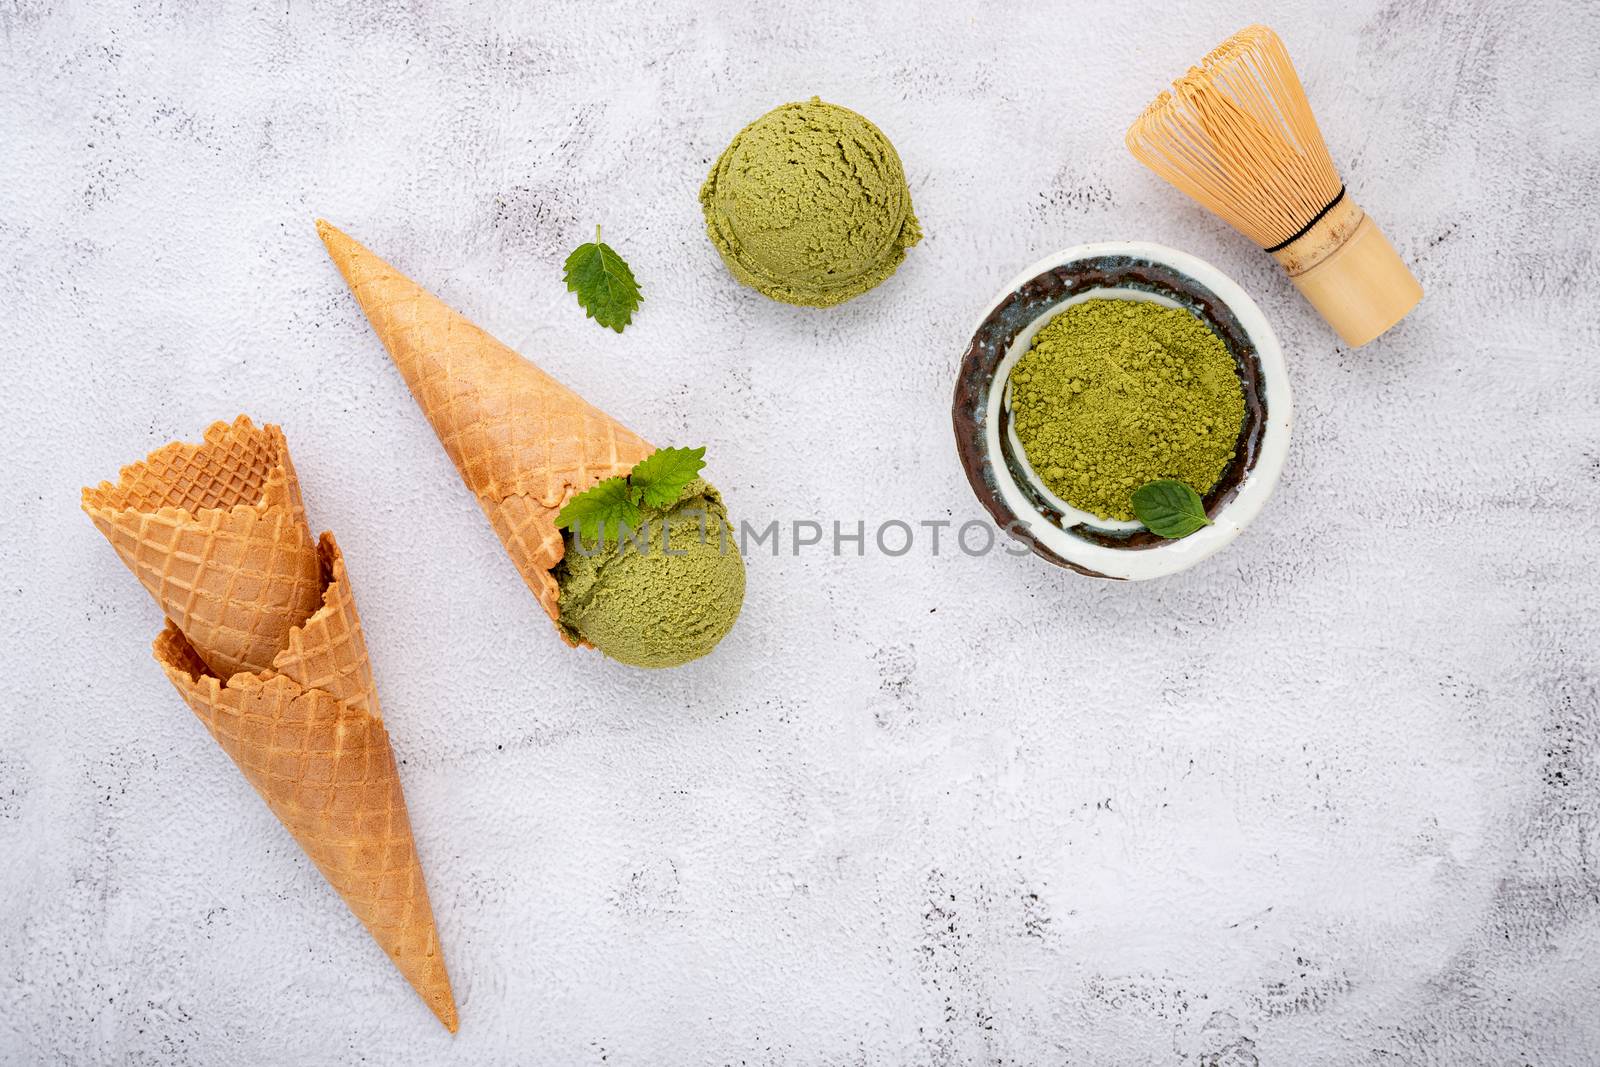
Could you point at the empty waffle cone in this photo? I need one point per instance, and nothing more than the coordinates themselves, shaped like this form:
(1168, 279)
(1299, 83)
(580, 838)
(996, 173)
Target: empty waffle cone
(217, 533)
(524, 443)
(309, 736)
(304, 726)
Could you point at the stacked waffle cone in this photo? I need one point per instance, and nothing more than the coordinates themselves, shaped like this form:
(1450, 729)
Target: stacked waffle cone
(524, 443)
(264, 644)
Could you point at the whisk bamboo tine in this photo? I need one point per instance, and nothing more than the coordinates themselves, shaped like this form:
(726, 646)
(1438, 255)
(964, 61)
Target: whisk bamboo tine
(1237, 135)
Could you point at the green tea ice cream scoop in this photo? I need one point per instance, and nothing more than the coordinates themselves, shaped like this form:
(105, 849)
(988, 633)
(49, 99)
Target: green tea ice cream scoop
(664, 594)
(809, 205)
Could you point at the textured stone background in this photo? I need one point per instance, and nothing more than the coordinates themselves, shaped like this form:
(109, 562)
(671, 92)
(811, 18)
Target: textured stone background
(1330, 798)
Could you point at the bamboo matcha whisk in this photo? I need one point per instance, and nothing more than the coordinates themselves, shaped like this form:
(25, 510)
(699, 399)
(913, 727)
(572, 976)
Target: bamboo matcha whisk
(1236, 134)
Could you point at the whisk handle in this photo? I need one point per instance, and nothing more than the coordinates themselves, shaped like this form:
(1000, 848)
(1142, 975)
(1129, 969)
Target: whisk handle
(1348, 270)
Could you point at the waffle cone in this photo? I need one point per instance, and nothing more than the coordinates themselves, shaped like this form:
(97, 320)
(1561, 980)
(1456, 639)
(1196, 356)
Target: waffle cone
(303, 725)
(524, 443)
(217, 533)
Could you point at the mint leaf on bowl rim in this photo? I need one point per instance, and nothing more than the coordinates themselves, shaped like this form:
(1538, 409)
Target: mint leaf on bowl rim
(1169, 508)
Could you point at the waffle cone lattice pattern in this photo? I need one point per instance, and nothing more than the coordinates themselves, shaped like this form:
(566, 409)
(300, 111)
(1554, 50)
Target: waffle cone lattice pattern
(523, 442)
(304, 727)
(217, 533)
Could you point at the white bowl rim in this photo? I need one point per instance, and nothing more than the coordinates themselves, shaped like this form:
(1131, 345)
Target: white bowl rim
(1257, 484)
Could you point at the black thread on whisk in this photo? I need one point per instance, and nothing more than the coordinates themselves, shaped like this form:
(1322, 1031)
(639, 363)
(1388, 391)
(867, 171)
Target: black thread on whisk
(1302, 231)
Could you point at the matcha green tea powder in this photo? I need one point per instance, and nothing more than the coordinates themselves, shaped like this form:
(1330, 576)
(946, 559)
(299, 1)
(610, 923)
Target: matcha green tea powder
(1116, 393)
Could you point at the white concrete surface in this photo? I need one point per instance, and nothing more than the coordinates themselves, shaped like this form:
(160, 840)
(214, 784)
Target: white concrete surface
(1330, 798)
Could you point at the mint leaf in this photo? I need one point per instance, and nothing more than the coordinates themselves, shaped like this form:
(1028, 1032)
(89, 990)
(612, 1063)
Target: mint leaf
(600, 512)
(1169, 509)
(600, 509)
(661, 477)
(605, 286)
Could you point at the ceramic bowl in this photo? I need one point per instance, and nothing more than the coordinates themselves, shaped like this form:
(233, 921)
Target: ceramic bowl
(994, 460)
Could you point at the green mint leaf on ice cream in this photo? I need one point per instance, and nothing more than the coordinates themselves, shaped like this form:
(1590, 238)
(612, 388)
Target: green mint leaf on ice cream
(656, 481)
(600, 512)
(661, 477)
(1169, 508)
(668, 588)
(605, 285)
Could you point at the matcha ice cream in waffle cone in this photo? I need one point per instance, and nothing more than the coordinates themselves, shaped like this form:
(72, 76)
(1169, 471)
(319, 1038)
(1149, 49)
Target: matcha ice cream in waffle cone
(526, 445)
(264, 643)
